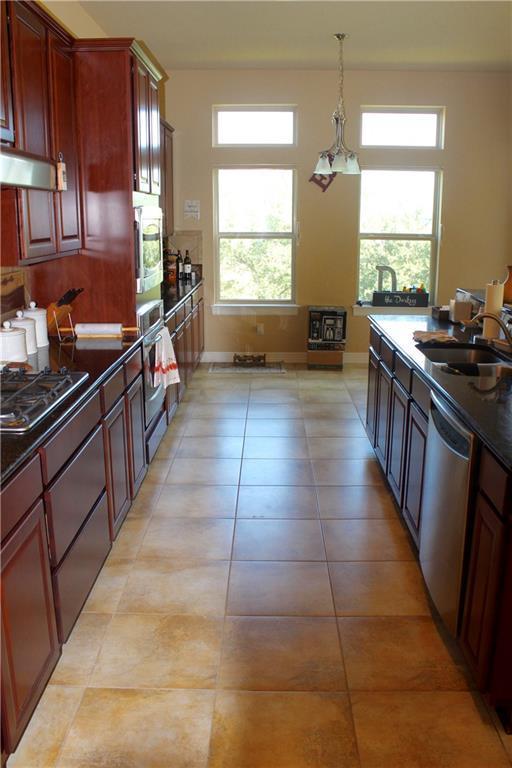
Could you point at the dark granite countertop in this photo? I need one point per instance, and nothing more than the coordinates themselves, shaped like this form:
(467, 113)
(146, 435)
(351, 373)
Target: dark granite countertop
(483, 403)
(98, 360)
(173, 296)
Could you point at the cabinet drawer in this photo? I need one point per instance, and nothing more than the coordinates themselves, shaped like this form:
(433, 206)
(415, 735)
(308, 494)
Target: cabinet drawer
(495, 482)
(420, 393)
(19, 494)
(133, 366)
(112, 389)
(403, 372)
(64, 443)
(78, 571)
(375, 338)
(387, 353)
(71, 497)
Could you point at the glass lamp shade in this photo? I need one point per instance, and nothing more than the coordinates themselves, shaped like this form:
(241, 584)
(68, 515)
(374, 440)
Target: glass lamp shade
(323, 166)
(339, 163)
(353, 165)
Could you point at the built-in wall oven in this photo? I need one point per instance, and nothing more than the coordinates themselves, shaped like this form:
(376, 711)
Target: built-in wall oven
(150, 318)
(149, 271)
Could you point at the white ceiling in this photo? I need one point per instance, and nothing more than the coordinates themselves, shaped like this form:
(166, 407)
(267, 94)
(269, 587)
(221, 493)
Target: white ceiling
(298, 34)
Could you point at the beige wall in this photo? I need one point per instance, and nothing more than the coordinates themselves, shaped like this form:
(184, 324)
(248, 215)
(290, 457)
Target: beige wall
(74, 17)
(476, 241)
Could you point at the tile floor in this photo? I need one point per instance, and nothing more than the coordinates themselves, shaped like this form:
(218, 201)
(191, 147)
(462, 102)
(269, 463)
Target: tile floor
(262, 606)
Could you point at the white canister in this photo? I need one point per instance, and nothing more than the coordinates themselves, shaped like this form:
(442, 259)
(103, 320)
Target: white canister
(29, 324)
(39, 315)
(13, 344)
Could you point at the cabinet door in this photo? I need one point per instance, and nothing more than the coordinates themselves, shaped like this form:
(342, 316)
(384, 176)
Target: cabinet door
(32, 119)
(6, 110)
(30, 647)
(167, 189)
(484, 579)
(397, 439)
(154, 137)
(115, 434)
(172, 394)
(32, 103)
(414, 469)
(67, 204)
(371, 404)
(195, 337)
(181, 360)
(142, 107)
(382, 415)
(189, 348)
(201, 327)
(134, 401)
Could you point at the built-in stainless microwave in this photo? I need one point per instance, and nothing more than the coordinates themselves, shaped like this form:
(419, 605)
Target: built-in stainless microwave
(149, 270)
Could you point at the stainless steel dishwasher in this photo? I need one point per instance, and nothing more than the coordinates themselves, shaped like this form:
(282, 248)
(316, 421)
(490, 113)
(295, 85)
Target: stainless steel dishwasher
(449, 455)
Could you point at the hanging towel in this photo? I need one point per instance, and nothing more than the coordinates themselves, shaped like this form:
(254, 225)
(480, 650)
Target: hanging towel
(166, 368)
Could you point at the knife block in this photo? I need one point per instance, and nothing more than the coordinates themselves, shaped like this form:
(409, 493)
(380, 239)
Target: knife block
(56, 316)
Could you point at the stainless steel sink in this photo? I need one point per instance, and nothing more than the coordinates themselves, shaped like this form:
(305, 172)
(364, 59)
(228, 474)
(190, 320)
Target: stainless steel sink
(451, 353)
(496, 370)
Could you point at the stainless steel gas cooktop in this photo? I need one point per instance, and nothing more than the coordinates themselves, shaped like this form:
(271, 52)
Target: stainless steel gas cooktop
(26, 398)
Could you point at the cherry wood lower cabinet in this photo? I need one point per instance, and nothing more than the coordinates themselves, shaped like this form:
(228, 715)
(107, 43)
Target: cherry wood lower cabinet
(484, 579)
(117, 457)
(134, 411)
(382, 417)
(74, 577)
(371, 403)
(30, 646)
(397, 439)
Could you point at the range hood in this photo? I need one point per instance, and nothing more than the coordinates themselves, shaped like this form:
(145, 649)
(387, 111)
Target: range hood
(20, 170)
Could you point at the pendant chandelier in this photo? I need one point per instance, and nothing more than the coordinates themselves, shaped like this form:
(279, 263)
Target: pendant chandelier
(338, 158)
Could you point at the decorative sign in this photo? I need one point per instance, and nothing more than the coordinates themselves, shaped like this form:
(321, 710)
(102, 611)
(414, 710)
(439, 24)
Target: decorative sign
(324, 182)
(192, 209)
(399, 299)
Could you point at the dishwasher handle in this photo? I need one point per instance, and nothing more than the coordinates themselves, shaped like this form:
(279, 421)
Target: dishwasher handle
(453, 434)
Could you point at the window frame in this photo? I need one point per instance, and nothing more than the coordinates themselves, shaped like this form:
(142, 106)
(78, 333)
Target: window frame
(434, 238)
(292, 236)
(439, 111)
(252, 108)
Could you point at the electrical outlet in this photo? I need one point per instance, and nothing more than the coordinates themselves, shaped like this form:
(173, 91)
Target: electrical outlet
(260, 329)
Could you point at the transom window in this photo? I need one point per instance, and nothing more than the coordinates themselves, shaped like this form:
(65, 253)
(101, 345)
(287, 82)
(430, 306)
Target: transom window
(253, 126)
(255, 235)
(398, 227)
(402, 127)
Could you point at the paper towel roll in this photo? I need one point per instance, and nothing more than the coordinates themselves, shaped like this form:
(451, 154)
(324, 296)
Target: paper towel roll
(493, 304)
(93, 330)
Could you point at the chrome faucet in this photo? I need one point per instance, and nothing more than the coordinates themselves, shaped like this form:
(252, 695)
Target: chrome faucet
(504, 327)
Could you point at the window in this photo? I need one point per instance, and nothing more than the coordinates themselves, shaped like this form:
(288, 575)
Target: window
(255, 235)
(398, 227)
(397, 127)
(253, 126)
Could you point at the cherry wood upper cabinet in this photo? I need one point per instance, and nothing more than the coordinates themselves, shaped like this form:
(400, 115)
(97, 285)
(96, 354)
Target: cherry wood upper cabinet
(6, 107)
(166, 179)
(154, 137)
(64, 144)
(142, 128)
(30, 63)
(30, 646)
(147, 130)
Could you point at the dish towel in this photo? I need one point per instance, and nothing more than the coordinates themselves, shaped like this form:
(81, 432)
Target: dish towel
(166, 368)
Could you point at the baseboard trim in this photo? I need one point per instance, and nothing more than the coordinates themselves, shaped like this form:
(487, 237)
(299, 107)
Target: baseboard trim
(286, 357)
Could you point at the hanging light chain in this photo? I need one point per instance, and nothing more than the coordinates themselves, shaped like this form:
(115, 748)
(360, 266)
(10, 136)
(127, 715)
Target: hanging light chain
(341, 75)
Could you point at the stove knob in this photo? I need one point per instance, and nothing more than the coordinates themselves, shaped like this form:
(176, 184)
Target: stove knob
(63, 370)
(47, 370)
